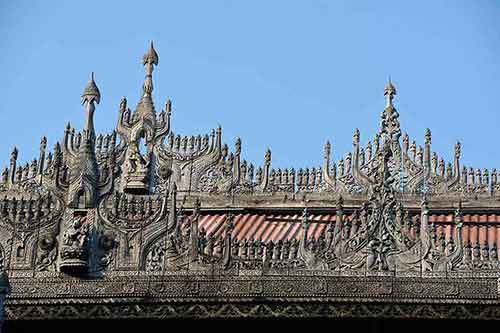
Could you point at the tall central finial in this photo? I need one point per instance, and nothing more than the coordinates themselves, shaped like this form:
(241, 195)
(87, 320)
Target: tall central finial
(389, 92)
(149, 60)
(389, 123)
(90, 96)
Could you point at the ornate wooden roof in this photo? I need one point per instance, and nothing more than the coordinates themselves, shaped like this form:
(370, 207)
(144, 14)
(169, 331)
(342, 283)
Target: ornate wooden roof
(95, 227)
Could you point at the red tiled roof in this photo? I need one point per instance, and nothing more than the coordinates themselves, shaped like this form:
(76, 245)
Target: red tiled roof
(275, 227)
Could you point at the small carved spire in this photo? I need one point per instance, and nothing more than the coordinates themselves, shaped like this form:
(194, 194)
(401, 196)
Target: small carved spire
(389, 93)
(237, 146)
(341, 167)
(413, 150)
(150, 59)
(123, 104)
(348, 164)
(427, 136)
(449, 171)
(457, 150)
(406, 141)
(13, 155)
(90, 95)
(91, 92)
(12, 167)
(84, 171)
(441, 167)
(368, 151)
(267, 157)
(434, 164)
(420, 155)
(355, 137)
(5, 175)
(376, 143)
(168, 107)
(326, 150)
(41, 159)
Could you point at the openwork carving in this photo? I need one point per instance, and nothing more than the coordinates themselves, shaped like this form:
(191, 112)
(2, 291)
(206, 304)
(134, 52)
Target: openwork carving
(183, 226)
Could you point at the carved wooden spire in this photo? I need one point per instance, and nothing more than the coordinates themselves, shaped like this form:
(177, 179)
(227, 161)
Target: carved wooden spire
(90, 95)
(389, 123)
(389, 93)
(84, 173)
(149, 60)
(41, 158)
(12, 165)
(145, 109)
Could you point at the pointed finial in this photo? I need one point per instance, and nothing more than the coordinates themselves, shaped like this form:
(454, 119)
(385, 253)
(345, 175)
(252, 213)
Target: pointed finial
(123, 104)
(327, 149)
(168, 106)
(457, 150)
(237, 145)
(43, 142)
(427, 136)
(13, 154)
(389, 92)
(267, 157)
(149, 60)
(91, 92)
(355, 137)
(151, 56)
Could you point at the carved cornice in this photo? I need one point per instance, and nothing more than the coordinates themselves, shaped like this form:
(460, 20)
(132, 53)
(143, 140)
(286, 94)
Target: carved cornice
(193, 287)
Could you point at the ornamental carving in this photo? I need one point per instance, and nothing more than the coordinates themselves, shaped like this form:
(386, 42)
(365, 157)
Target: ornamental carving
(144, 212)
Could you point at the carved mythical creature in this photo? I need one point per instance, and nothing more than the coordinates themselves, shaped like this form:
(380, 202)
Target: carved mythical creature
(74, 252)
(76, 234)
(47, 246)
(135, 162)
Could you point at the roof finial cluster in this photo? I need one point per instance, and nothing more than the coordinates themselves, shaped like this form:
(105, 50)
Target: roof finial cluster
(149, 60)
(389, 92)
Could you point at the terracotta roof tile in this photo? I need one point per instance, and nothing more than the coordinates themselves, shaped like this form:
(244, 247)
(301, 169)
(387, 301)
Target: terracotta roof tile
(288, 227)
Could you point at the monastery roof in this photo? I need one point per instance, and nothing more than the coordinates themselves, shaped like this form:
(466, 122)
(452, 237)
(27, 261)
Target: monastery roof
(187, 219)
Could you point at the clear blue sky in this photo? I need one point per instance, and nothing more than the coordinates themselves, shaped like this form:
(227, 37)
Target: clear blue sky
(287, 75)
